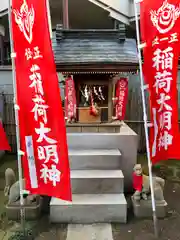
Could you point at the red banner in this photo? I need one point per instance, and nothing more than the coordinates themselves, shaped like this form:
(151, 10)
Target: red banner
(4, 145)
(70, 99)
(160, 26)
(41, 119)
(121, 98)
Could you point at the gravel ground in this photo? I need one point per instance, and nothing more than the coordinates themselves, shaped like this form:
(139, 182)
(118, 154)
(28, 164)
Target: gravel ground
(169, 228)
(135, 229)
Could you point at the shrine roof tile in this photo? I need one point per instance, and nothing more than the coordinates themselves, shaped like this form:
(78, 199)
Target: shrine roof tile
(93, 47)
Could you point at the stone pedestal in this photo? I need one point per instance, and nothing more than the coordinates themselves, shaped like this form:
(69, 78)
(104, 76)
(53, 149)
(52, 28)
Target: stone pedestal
(143, 209)
(32, 211)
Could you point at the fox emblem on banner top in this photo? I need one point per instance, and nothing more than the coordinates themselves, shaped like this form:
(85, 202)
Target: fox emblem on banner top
(25, 18)
(165, 17)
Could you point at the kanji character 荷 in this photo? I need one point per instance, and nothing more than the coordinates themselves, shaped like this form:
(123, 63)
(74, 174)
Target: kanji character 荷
(163, 80)
(39, 108)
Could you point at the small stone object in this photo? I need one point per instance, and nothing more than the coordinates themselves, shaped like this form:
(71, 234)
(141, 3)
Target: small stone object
(10, 178)
(32, 203)
(141, 198)
(143, 208)
(14, 192)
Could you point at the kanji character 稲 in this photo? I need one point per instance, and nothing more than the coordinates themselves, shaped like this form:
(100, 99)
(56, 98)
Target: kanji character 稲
(166, 120)
(42, 131)
(165, 140)
(163, 80)
(40, 108)
(28, 53)
(173, 37)
(36, 79)
(53, 174)
(162, 102)
(37, 53)
(48, 153)
(163, 59)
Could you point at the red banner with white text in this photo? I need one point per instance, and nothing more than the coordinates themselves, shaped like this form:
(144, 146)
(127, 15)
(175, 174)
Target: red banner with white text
(160, 27)
(121, 98)
(41, 118)
(70, 99)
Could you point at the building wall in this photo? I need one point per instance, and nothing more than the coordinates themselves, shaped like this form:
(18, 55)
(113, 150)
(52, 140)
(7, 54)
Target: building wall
(3, 5)
(120, 6)
(6, 81)
(131, 9)
(124, 8)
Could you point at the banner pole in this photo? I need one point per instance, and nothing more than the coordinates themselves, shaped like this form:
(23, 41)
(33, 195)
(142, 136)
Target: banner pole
(16, 108)
(145, 122)
(49, 18)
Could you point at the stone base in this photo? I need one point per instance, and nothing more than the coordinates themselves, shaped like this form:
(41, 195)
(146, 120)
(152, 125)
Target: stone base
(32, 212)
(143, 209)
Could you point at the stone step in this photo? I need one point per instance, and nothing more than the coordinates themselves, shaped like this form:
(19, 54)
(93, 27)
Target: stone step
(97, 181)
(89, 208)
(94, 159)
(94, 140)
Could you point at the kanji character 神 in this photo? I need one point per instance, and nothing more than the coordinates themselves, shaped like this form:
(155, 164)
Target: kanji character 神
(165, 140)
(52, 174)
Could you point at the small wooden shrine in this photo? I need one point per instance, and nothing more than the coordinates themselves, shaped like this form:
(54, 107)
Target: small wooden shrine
(95, 59)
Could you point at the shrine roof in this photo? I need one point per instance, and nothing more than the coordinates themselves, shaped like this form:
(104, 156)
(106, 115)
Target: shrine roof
(93, 47)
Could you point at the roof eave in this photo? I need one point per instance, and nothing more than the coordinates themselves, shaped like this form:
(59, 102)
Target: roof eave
(97, 67)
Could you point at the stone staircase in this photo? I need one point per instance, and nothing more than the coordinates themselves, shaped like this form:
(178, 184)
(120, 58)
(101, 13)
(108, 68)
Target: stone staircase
(99, 173)
(97, 188)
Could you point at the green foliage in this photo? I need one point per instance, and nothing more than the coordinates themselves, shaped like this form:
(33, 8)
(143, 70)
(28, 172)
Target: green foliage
(19, 235)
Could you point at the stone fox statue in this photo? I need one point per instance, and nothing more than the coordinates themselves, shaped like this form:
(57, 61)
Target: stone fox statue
(141, 185)
(12, 188)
